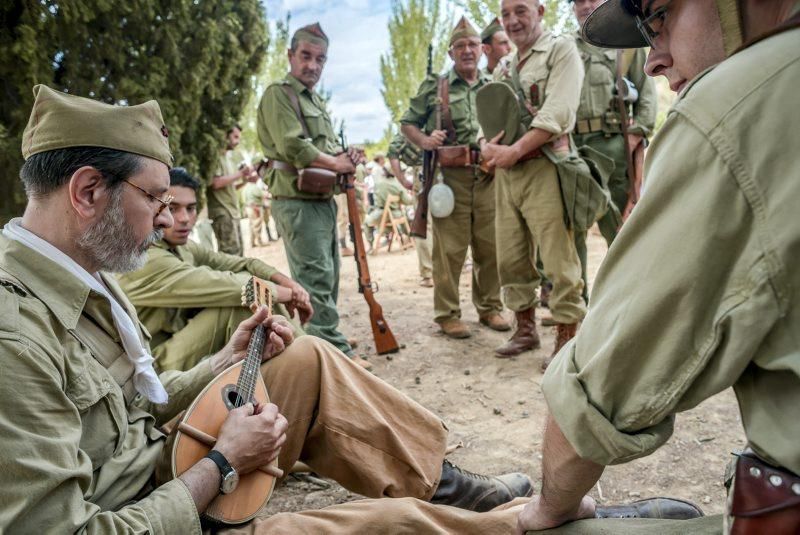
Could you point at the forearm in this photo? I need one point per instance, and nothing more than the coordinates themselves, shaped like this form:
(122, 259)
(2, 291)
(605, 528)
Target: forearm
(566, 478)
(326, 161)
(202, 480)
(532, 140)
(219, 182)
(413, 134)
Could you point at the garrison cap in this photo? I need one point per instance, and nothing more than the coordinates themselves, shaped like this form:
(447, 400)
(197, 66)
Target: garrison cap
(613, 25)
(59, 121)
(498, 109)
(463, 29)
(311, 34)
(491, 29)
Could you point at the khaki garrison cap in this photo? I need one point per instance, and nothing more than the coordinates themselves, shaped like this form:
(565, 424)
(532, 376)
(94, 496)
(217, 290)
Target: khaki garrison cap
(491, 29)
(498, 109)
(463, 29)
(59, 121)
(311, 34)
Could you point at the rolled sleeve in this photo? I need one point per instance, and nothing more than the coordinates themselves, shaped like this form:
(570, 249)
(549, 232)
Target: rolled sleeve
(563, 91)
(418, 110)
(171, 509)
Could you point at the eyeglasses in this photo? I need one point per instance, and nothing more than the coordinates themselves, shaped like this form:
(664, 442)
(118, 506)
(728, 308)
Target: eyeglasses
(462, 47)
(164, 202)
(650, 26)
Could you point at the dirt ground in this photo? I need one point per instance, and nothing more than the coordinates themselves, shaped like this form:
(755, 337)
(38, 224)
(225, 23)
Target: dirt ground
(495, 407)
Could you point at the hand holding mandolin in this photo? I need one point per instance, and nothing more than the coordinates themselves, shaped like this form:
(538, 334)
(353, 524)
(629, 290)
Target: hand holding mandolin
(280, 336)
(252, 436)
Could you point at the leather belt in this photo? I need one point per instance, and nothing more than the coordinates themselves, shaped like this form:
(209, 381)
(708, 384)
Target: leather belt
(286, 198)
(282, 166)
(587, 126)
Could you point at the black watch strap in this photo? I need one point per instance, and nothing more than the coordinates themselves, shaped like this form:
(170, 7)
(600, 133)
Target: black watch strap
(222, 463)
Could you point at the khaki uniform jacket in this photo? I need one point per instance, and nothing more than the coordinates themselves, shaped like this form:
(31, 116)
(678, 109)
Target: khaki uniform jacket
(224, 201)
(281, 134)
(383, 188)
(175, 280)
(598, 93)
(716, 237)
(551, 75)
(422, 107)
(76, 450)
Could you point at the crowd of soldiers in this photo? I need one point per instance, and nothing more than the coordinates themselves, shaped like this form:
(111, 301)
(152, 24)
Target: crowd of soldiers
(95, 365)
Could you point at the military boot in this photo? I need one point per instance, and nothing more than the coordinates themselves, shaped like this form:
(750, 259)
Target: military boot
(664, 508)
(524, 338)
(474, 492)
(564, 333)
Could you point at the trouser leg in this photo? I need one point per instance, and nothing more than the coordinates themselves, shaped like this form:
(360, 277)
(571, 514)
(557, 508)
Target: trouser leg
(516, 246)
(308, 229)
(204, 334)
(228, 233)
(485, 279)
(451, 237)
(425, 252)
(256, 222)
(580, 248)
(350, 426)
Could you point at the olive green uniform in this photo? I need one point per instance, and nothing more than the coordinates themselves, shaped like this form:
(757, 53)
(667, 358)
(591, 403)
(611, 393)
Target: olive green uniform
(254, 196)
(472, 222)
(411, 155)
(716, 238)
(223, 206)
(305, 221)
(385, 186)
(190, 300)
(530, 211)
(598, 125)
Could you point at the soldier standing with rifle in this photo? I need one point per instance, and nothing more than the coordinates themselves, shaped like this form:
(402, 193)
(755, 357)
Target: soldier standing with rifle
(296, 132)
(602, 119)
(471, 222)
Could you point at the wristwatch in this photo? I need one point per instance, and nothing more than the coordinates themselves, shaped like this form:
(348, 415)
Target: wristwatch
(230, 478)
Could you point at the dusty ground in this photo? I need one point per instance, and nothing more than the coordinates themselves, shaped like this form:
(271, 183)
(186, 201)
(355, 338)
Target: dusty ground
(495, 407)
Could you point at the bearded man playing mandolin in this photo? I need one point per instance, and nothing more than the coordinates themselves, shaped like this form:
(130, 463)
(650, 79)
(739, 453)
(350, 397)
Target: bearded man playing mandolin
(82, 404)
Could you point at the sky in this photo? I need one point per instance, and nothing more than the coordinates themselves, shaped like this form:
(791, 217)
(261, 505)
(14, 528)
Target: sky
(358, 36)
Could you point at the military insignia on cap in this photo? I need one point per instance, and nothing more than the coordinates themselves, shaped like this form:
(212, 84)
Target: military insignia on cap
(463, 29)
(312, 33)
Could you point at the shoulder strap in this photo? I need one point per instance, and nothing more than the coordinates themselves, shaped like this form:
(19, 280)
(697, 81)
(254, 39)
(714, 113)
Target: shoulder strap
(295, 101)
(444, 94)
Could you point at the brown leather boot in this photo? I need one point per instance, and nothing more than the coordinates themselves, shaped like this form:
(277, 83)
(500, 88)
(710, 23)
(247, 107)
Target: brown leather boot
(455, 328)
(495, 321)
(564, 333)
(524, 338)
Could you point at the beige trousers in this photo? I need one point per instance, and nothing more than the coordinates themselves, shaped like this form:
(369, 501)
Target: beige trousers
(470, 225)
(425, 252)
(530, 214)
(255, 217)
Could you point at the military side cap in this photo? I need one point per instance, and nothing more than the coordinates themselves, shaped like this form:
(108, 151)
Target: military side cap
(59, 121)
(613, 25)
(463, 29)
(498, 109)
(312, 34)
(491, 29)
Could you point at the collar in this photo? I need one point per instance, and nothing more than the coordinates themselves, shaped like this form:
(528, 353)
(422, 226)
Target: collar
(298, 86)
(542, 44)
(453, 77)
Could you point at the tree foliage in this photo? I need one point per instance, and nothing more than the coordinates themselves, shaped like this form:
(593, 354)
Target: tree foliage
(195, 57)
(558, 15)
(413, 26)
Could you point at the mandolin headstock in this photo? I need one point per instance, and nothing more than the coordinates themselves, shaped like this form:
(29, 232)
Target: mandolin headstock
(255, 294)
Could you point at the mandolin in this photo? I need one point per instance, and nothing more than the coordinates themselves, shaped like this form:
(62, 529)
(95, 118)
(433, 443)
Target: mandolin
(197, 430)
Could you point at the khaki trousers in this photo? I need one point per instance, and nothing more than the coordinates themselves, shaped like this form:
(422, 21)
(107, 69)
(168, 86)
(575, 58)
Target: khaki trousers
(530, 214)
(205, 333)
(256, 219)
(425, 252)
(229, 235)
(472, 223)
(342, 219)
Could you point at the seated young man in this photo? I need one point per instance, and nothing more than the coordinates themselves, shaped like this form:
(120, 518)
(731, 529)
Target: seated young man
(385, 186)
(190, 297)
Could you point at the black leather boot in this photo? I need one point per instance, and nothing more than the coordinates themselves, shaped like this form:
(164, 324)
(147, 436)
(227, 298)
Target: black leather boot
(665, 508)
(475, 492)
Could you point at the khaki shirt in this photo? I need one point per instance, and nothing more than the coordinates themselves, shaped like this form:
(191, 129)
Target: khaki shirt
(176, 280)
(405, 151)
(598, 93)
(389, 185)
(76, 452)
(422, 107)
(224, 201)
(281, 134)
(551, 76)
(253, 195)
(716, 237)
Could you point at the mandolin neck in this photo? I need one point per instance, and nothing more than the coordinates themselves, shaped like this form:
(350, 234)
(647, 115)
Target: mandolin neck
(251, 367)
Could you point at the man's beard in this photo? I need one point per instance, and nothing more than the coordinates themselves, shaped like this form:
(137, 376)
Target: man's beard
(110, 244)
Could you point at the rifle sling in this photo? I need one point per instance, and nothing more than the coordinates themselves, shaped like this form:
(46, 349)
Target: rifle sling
(444, 94)
(295, 102)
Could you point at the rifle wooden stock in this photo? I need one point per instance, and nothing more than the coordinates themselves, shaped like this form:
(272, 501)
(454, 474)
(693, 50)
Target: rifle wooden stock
(385, 341)
(419, 226)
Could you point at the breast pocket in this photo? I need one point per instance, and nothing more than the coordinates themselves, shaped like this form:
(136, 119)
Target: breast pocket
(602, 79)
(101, 406)
(319, 127)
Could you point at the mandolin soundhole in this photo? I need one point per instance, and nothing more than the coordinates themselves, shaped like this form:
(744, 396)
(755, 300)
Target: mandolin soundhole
(232, 398)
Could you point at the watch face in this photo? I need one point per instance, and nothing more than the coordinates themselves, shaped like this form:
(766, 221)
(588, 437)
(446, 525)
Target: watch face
(229, 482)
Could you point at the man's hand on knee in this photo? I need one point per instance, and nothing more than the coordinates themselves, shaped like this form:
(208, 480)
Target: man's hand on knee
(280, 336)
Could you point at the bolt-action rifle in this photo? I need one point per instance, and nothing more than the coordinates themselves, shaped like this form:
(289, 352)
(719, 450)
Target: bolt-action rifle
(385, 341)
(419, 226)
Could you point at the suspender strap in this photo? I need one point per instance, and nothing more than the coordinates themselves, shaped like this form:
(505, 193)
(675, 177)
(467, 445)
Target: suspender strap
(295, 102)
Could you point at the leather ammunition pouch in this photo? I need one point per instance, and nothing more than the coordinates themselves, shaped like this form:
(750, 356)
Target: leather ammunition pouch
(608, 123)
(455, 156)
(764, 498)
(309, 180)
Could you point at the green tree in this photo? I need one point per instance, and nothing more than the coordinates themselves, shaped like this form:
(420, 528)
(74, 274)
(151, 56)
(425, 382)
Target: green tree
(195, 58)
(413, 26)
(558, 14)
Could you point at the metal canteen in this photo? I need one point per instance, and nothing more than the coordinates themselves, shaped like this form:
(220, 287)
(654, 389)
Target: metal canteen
(441, 200)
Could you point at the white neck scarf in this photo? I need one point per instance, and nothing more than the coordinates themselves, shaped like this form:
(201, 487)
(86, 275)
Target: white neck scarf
(144, 379)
